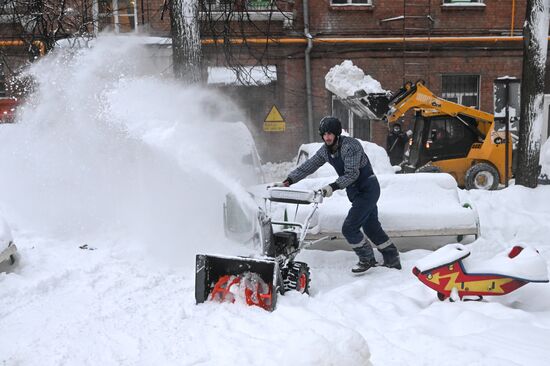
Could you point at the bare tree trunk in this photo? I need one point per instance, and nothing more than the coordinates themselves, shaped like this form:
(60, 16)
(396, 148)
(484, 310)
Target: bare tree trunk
(186, 42)
(535, 33)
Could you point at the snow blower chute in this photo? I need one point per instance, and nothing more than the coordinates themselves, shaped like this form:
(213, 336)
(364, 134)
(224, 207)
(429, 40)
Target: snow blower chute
(257, 281)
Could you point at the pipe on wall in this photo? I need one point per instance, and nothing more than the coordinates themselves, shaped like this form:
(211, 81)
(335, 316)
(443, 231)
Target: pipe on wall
(19, 43)
(307, 61)
(362, 40)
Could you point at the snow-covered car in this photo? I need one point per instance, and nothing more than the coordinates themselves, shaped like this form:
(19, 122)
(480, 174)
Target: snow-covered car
(411, 205)
(8, 249)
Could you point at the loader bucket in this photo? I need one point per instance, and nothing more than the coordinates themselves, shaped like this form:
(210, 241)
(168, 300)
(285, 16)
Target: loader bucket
(220, 278)
(371, 105)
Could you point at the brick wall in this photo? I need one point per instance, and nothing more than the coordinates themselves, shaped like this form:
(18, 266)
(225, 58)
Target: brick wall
(384, 62)
(492, 19)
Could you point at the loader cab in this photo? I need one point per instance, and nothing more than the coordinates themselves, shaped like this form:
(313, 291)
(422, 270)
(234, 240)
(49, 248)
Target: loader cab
(440, 138)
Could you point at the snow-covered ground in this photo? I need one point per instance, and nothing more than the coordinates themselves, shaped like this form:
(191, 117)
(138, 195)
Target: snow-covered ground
(114, 184)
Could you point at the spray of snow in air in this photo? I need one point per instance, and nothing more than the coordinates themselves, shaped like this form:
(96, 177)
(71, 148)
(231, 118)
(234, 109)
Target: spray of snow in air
(102, 149)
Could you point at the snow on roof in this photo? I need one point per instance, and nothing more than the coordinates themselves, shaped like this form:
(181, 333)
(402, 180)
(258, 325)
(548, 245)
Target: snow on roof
(246, 75)
(346, 79)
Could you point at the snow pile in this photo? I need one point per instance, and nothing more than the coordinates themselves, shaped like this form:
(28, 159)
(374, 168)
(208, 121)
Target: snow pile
(346, 79)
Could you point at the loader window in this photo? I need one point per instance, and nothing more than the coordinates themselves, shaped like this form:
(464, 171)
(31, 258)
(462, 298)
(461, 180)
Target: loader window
(448, 138)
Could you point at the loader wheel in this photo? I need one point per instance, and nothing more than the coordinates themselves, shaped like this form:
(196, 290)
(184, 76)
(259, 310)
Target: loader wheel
(297, 278)
(482, 176)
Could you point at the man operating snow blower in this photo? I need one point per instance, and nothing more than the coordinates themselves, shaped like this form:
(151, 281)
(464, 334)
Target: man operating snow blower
(355, 174)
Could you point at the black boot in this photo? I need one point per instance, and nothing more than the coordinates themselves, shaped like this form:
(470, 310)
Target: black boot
(366, 258)
(391, 256)
(363, 265)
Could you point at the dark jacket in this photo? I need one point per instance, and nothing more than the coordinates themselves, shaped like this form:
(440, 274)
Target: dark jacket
(395, 146)
(355, 161)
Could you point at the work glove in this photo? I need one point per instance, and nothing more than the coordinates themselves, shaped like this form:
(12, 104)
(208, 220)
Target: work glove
(327, 191)
(284, 183)
(409, 133)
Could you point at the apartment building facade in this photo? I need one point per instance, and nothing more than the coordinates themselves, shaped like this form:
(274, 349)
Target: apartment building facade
(284, 49)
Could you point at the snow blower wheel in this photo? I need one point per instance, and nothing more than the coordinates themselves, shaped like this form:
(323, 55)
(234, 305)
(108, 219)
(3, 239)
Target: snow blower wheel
(297, 278)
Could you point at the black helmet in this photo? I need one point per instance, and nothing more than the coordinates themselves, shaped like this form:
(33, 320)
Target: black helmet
(330, 124)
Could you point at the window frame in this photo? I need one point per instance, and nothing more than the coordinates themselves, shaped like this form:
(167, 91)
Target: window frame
(463, 3)
(349, 124)
(459, 95)
(349, 3)
(115, 13)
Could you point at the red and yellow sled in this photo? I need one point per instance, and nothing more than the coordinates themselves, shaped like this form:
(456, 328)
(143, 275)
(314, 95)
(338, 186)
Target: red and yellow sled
(449, 270)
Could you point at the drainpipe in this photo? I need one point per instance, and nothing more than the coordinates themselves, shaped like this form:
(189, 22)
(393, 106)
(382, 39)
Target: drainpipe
(308, 71)
(513, 16)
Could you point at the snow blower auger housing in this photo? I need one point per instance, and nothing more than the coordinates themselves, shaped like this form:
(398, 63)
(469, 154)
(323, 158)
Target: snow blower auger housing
(256, 281)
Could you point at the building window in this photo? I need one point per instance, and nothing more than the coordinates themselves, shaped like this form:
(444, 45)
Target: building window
(461, 89)
(259, 4)
(121, 15)
(354, 125)
(351, 2)
(462, 1)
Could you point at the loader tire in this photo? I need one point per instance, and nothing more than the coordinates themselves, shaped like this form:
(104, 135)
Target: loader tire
(482, 176)
(297, 278)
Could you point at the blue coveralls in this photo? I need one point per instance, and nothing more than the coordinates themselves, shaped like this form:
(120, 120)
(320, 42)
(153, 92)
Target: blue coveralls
(363, 194)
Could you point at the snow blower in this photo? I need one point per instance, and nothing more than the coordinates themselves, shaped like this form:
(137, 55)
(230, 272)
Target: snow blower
(256, 281)
(456, 277)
